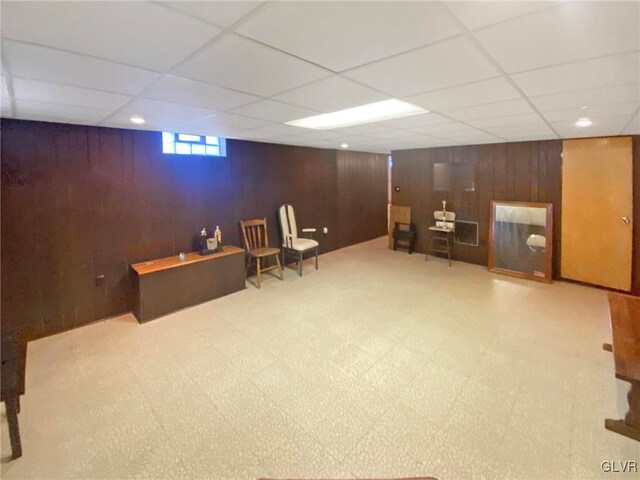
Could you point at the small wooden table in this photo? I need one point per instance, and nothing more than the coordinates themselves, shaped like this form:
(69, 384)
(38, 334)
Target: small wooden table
(625, 326)
(169, 284)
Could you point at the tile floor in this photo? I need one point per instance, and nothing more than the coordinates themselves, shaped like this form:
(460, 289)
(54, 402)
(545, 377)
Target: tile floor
(376, 365)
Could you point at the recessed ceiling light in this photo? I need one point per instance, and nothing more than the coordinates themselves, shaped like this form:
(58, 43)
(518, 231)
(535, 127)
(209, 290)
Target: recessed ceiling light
(584, 122)
(372, 112)
(345, 145)
(138, 119)
(583, 108)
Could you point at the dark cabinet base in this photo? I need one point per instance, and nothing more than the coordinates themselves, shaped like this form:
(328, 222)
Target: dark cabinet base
(165, 291)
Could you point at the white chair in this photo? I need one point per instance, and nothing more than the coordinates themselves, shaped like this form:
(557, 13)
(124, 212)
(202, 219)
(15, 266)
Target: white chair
(292, 245)
(440, 240)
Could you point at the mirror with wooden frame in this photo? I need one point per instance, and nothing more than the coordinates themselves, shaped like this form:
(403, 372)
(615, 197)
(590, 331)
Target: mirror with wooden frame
(521, 239)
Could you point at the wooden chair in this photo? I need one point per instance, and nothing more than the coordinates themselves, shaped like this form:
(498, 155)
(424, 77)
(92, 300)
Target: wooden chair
(256, 242)
(440, 235)
(14, 359)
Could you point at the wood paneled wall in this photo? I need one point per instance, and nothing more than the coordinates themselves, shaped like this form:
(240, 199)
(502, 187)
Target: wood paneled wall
(362, 194)
(78, 202)
(523, 171)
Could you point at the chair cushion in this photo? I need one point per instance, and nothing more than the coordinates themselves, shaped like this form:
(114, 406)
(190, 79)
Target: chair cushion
(302, 244)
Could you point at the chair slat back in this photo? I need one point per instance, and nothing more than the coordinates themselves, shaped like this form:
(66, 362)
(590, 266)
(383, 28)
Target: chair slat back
(255, 233)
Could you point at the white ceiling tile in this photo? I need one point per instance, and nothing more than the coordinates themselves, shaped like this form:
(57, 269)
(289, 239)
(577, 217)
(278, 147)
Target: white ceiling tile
(182, 90)
(445, 64)
(447, 127)
(342, 35)
(109, 30)
(511, 131)
(25, 89)
(279, 129)
(241, 64)
(221, 13)
(55, 112)
(417, 121)
(602, 126)
(226, 121)
(367, 129)
(526, 119)
(573, 31)
(492, 110)
(633, 128)
(393, 133)
(574, 114)
(588, 98)
(469, 136)
(331, 94)
(5, 87)
(39, 63)
(274, 111)
(475, 14)
(158, 109)
(5, 107)
(477, 93)
(526, 137)
(122, 120)
(598, 72)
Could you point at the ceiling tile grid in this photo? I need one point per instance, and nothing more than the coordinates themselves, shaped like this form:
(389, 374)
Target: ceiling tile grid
(487, 71)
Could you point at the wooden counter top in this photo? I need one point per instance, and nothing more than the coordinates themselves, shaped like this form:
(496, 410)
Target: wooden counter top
(152, 266)
(625, 326)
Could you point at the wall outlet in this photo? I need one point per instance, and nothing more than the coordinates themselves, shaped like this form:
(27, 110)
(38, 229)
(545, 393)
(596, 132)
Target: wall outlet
(325, 230)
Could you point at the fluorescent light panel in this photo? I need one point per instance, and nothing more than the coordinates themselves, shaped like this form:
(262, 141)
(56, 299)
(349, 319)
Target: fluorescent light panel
(372, 112)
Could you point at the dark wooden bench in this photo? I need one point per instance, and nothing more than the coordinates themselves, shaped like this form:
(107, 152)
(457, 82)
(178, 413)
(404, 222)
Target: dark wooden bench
(625, 326)
(14, 361)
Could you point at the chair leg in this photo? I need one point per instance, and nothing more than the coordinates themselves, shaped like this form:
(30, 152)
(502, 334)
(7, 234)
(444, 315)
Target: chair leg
(246, 273)
(448, 250)
(300, 264)
(258, 270)
(279, 267)
(316, 258)
(283, 262)
(12, 420)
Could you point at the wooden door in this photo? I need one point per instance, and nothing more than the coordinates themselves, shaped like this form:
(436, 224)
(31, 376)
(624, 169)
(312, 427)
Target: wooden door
(597, 211)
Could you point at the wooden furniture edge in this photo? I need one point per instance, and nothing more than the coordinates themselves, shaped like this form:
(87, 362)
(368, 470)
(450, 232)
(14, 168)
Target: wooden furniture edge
(160, 264)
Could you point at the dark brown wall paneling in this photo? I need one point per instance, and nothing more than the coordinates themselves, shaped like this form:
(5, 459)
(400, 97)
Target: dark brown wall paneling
(78, 202)
(523, 171)
(635, 270)
(362, 195)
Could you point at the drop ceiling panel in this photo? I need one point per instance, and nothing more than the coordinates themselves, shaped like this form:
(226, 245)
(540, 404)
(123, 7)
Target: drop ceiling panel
(574, 114)
(158, 109)
(241, 64)
(477, 93)
(5, 87)
(331, 94)
(595, 73)
(417, 121)
(182, 90)
(492, 110)
(368, 129)
(602, 126)
(55, 112)
(573, 31)
(633, 128)
(445, 64)
(526, 119)
(224, 121)
(220, 13)
(274, 111)
(35, 90)
(476, 14)
(39, 63)
(122, 120)
(108, 30)
(513, 131)
(342, 35)
(588, 98)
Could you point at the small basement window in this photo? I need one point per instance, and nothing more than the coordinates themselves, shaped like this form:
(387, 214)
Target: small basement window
(187, 144)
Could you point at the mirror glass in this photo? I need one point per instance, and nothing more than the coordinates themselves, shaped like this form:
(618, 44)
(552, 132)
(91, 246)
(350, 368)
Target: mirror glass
(521, 239)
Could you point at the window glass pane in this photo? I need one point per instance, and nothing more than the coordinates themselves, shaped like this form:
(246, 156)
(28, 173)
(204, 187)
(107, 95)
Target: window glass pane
(197, 149)
(189, 138)
(212, 140)
(167, 137)
(183, 148)
(168, 147)
(211, 150)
